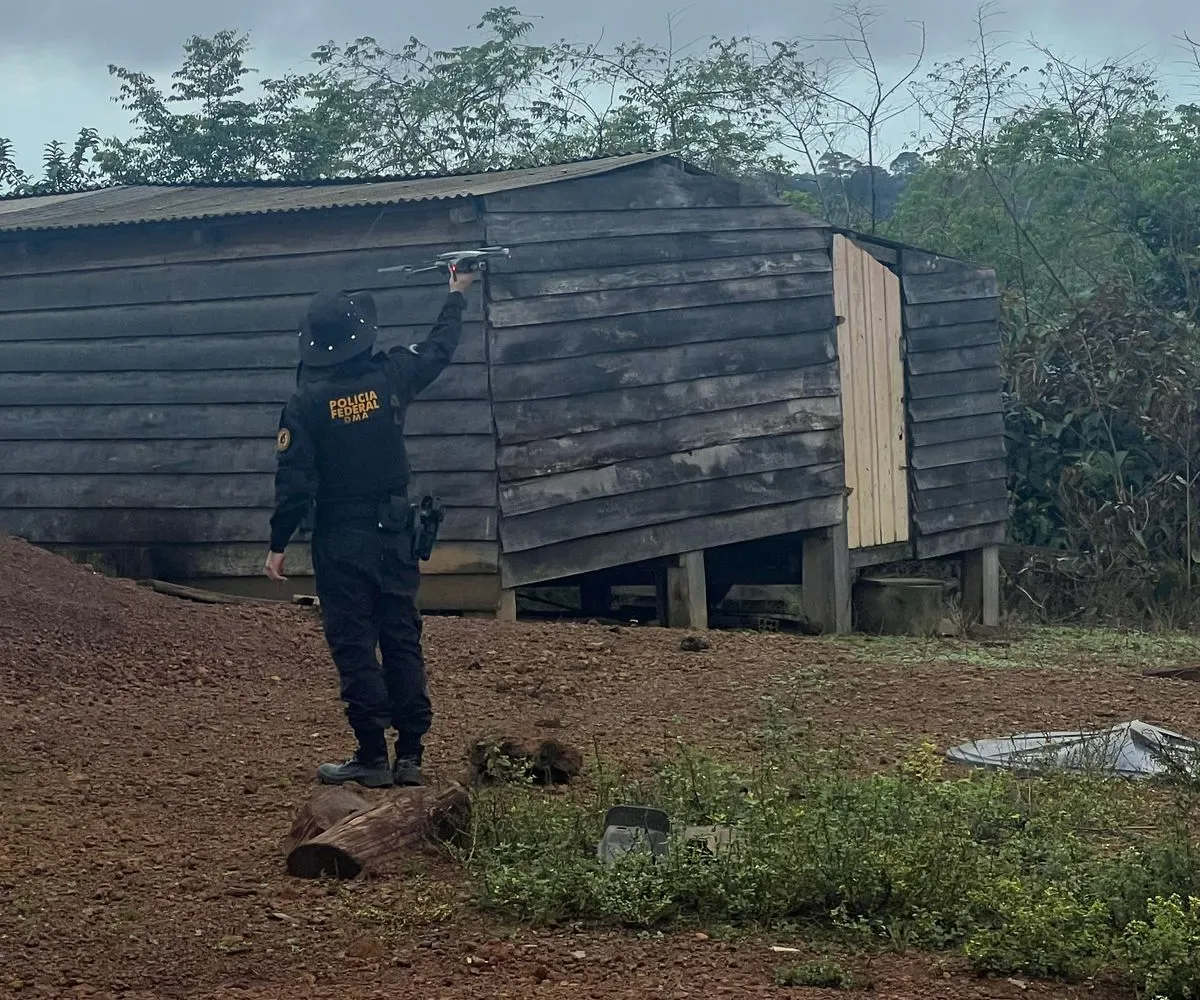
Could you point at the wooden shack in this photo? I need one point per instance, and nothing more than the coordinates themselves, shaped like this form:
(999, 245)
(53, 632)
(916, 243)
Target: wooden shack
(670, 364)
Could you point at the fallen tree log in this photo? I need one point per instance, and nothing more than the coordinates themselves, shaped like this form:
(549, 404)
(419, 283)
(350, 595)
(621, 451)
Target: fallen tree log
(1175, 673)
(325, 808)
(407, 820)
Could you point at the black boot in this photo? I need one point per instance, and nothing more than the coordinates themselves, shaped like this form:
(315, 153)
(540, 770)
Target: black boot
(407, 769)
(370, 773)
(369, 765)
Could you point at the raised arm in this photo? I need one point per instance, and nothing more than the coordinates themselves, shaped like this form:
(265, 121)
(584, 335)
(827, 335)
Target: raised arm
(421, 364)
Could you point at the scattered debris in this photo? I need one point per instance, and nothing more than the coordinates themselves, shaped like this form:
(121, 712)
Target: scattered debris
(1130, 750)
(714, 840)
(646, 829)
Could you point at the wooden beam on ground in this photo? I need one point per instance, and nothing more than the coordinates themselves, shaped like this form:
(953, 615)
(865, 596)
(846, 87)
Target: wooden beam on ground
(687, 604)
(201, 596)
(981, 586)
(827, 578)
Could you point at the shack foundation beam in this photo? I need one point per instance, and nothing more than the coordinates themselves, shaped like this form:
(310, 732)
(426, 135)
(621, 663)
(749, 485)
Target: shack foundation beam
(981, 586)
(506, 610)
(827, 579)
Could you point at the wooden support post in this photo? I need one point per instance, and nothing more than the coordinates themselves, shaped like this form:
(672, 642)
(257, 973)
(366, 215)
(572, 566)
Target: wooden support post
(595, 597)
(981, 586)
(506, 610)
(687, 592)
(827, 579)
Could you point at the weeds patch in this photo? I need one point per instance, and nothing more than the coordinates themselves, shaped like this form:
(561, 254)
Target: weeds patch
(820, 975)
(1057, 876)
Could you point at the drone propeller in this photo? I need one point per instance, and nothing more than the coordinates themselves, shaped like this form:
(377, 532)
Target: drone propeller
(474, 259)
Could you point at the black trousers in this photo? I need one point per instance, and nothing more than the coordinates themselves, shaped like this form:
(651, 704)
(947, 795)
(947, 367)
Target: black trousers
(367, 584)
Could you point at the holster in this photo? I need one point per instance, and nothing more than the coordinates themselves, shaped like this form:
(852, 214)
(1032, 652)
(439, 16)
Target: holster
(426, 519)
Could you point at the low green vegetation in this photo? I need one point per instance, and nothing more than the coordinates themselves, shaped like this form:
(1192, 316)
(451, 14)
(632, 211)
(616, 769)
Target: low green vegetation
(1055, 876)
(1034, 648)
(819, 975)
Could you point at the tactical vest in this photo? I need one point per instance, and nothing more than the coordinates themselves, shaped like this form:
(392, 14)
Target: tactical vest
(356, 416)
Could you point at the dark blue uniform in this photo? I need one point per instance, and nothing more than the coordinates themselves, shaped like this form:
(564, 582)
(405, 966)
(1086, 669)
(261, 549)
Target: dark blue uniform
(341, 447)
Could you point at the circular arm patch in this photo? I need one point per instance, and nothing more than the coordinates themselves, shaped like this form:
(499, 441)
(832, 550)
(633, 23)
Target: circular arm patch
(283, 440)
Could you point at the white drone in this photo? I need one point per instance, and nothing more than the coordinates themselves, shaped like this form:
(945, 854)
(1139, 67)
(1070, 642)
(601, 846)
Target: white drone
(454, 261)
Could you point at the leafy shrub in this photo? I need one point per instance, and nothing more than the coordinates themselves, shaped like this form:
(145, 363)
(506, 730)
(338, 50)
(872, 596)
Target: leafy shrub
(1041, 930)
(1162, 954)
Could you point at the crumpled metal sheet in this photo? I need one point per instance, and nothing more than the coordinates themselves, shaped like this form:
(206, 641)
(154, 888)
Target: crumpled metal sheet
(1129, 750)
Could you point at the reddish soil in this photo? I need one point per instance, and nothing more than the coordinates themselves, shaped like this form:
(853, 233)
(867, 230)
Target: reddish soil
(153, 752)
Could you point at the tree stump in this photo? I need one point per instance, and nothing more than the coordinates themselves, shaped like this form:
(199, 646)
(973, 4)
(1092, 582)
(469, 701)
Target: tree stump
(407, 820)
(326, 807)
(556, 763)
(548, 763)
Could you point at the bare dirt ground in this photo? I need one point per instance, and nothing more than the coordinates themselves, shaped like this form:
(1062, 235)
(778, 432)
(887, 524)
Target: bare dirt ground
(153, 753)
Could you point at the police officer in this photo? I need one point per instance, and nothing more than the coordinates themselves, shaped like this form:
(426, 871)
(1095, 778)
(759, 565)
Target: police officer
(341, 447)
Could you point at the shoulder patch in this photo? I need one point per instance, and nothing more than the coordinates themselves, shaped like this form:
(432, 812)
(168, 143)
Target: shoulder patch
(283, 440)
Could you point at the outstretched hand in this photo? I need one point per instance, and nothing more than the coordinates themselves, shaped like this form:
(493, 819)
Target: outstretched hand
(461, 280)
(274, 567)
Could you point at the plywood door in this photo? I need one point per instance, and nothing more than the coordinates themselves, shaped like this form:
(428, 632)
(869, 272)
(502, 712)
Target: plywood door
(871, 367)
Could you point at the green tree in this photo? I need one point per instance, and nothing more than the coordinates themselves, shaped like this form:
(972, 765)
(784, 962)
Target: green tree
(64, 168)
(504, 102)
(206, 127)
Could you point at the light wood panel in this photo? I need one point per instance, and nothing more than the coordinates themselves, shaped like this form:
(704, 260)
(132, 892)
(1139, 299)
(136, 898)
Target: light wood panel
(871, 368)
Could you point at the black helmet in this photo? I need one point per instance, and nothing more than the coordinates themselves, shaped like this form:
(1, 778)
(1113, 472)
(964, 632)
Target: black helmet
(337, 327)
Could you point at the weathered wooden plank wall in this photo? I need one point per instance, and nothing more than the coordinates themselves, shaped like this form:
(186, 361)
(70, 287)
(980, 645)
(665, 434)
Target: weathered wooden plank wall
(958, 474)
(142, 370)
(662, 354)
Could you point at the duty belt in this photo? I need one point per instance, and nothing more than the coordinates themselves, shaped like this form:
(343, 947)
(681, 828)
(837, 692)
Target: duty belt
(392, 513)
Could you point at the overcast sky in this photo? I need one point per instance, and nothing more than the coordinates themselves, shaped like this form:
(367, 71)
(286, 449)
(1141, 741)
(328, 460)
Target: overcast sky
(54, 53)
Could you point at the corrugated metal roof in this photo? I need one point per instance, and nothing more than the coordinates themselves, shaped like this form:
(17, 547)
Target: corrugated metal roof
(117, 206)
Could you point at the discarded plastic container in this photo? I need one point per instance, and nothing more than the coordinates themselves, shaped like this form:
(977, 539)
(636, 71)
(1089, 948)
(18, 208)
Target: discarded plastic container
(634, 828)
